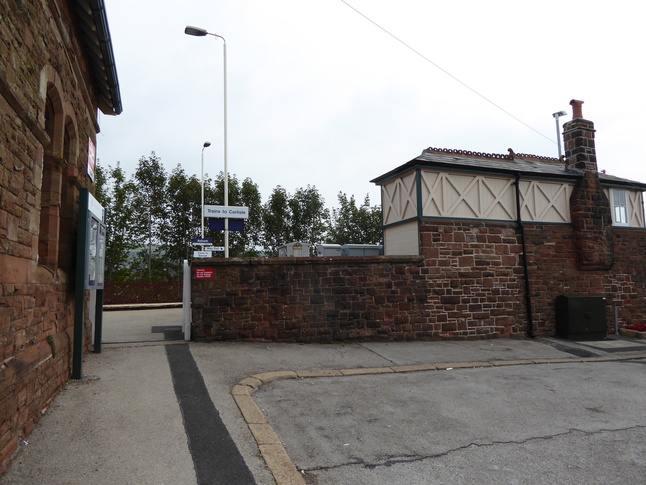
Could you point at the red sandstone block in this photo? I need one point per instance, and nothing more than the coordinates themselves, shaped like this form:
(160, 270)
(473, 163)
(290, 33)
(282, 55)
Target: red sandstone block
(510, 261)
(7, 452)
(466, 261)
(502, 249)
(481, 316)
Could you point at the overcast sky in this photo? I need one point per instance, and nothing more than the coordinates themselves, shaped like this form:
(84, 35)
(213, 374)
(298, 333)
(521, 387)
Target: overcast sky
(318, 95)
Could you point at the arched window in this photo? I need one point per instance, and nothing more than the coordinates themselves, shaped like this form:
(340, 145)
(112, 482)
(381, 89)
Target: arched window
(69, 199)
(50, 197)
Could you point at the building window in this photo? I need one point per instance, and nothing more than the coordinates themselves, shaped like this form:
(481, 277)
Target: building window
(68, 204)
(50, 195)
(619, 207)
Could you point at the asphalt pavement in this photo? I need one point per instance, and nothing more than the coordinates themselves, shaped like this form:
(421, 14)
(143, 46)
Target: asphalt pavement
(153, 409)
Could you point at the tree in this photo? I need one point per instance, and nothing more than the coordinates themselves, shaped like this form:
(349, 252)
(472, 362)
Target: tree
(150, 210)
(152, 218)
(182, 220)
(355, 225)
(245, 194)
(101, 188)
(309, 216)
(116, 195)
(276, 221)
(250, 197)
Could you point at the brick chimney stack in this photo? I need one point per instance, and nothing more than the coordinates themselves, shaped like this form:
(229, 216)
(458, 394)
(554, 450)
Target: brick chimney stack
(578, 139)
(589, 205)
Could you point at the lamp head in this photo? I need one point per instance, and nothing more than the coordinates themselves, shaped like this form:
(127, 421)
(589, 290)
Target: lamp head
(207, 144)
(196, 31)
(559, 113)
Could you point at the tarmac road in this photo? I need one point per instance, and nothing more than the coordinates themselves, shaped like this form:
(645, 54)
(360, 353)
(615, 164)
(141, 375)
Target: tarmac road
(572, 420)
(532, 424)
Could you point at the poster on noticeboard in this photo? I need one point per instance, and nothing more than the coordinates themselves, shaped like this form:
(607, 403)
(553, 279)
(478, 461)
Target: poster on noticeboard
(91, 158)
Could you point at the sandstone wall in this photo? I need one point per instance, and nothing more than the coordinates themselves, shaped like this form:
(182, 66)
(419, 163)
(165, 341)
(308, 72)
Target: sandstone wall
(469, 283)
(47, 117)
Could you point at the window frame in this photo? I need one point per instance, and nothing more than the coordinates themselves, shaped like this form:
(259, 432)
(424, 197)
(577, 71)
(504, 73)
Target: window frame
(620, 207)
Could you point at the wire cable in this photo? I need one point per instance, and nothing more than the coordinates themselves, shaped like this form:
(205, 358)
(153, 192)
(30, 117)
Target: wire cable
(445, 71)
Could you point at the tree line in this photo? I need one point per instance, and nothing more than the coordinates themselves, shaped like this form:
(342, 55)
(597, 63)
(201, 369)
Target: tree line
(152, 217)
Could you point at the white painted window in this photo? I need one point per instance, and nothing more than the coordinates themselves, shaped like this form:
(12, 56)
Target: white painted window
(619, 207)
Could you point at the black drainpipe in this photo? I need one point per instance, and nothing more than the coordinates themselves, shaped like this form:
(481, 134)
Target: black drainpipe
(521, 227)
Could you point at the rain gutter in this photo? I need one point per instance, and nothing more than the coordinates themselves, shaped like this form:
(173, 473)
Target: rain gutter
(106, 46)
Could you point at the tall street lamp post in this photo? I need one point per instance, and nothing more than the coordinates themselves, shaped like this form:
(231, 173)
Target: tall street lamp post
(199, 32)
(558, 131)
(206, 145)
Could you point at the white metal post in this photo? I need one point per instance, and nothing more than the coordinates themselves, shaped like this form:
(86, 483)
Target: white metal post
(199, 32)
(226, 168)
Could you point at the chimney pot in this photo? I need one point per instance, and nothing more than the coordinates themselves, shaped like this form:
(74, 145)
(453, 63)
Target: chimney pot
(577, 111)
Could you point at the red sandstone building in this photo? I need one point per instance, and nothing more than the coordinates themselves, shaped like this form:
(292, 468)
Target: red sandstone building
(517, 231)
(476, 246)
(56, 71)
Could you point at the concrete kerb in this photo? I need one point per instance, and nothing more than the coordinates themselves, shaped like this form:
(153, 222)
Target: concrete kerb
(271, 447)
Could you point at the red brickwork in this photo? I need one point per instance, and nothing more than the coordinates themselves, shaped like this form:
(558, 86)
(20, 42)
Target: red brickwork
(592, 222)
(625, 287)
(312, 299)
(468, 284)
(589, 205)
(578, 140)
(47, 115)
(474, 278)
(554, 270)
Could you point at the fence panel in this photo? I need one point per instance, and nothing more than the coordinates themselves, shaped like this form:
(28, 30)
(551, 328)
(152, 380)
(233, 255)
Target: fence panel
(132, 292)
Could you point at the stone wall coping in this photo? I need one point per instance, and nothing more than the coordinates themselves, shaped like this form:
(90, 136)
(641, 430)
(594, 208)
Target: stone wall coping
(307, 261)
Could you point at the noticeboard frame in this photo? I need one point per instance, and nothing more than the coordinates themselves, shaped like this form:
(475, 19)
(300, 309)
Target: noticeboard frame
(90, 266)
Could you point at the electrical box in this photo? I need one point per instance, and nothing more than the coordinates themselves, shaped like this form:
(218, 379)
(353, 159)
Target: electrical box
(581, 317)
(294, 250)
(329, 250)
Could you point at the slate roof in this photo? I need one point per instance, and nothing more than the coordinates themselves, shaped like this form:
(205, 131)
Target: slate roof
(511, 163)
(95, 36)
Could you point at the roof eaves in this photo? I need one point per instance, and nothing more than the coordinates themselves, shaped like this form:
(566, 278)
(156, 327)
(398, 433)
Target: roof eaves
(96, 38)
(513, 163)
(611, 180)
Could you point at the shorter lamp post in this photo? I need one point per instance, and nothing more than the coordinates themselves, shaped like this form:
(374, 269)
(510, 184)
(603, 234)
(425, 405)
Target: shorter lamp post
(206, 145)
(558, 131)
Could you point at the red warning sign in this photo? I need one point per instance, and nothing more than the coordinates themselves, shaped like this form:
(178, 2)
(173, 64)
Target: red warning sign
(204, 273)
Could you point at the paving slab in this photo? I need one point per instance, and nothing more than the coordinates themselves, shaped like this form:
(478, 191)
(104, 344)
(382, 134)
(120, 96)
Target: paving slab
(142, 325)
(120, 424)
(613, 344)
(461, 351)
